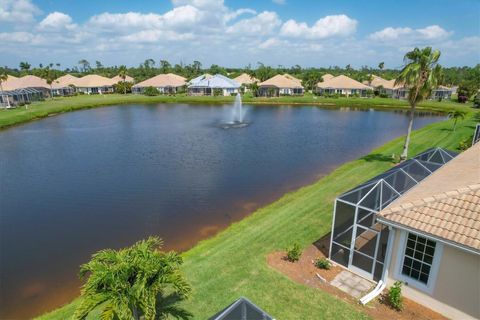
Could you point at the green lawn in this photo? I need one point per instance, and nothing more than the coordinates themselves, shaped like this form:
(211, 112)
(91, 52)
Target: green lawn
(65, 104)
(232, 263)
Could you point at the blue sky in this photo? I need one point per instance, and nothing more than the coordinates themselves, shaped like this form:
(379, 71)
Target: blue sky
(236, 33)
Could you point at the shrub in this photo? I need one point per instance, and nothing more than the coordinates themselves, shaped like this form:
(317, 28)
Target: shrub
(294, 253)
(151, 91)
(465, 144)
(395, 296)
(323, 263)
(476, 101)
(217, 92)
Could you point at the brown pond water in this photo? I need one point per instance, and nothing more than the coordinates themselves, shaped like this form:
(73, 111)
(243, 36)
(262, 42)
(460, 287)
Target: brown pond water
(83, 181)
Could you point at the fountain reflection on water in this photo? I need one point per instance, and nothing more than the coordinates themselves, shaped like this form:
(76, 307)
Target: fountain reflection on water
(238, 115)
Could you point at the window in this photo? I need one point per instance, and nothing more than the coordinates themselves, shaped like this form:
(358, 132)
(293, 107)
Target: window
(418, 258)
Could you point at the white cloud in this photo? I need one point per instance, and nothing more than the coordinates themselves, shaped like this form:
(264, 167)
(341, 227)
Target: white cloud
(409, 35)
(56, 21)
(280, 2)
(18, 11)
(261, 24)
(329, 26)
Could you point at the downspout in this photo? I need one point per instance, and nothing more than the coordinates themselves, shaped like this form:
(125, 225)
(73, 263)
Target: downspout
(383, 281)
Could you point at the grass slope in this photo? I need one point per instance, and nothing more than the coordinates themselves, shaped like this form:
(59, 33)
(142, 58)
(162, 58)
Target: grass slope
(233, 263)
(64, 104)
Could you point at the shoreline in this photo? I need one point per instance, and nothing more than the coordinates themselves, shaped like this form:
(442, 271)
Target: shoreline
(58, 106)
(303, 215)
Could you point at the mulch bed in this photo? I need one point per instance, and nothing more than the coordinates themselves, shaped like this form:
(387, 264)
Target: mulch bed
(305, 272)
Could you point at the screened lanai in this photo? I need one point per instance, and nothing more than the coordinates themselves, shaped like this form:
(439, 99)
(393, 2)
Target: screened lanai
(358, 241)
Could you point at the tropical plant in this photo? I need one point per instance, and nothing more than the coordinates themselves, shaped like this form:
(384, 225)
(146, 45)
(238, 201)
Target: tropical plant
(421, 74)
(381, 65)
(395, 296)
(323, 263)
(465, 91)
(254, 88)
(310, 79)
(24, 66)
(122, 72)
(85, 65)
(49, 76)
(151, 91)
(139, 282)
(165, 66)
(476, 101)
(294, 253)
(455, 115)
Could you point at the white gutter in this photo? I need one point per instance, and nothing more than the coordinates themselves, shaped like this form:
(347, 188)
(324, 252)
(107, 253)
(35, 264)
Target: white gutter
(375, 292)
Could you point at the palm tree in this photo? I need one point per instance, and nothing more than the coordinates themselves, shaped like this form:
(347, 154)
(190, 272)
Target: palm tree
(3, 78)
(85, 64)
(49, 76)
(455, 115)
(381, 65)
(421, 74)
(133, 283)
(122, 72)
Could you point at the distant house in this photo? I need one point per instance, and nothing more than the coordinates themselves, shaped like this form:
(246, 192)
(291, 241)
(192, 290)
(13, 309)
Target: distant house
(419, 223)
(281, 84)
(23, 90)
(441, 93)
(164, 83)
(208, 85)
(342, 85)
(384, 86)
(246, 80)
(64, 85)
(94, 84)
(118, 79)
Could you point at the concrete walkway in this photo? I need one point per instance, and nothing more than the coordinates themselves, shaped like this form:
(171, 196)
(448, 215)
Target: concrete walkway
(352, 284)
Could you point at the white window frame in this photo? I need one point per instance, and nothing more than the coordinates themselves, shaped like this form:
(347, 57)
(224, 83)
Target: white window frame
(432, 278)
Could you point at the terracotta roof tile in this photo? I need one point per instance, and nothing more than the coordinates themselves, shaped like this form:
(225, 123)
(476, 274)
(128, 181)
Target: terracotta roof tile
(446, 204)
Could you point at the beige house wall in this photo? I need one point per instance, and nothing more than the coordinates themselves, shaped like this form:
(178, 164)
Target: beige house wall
(454, 289)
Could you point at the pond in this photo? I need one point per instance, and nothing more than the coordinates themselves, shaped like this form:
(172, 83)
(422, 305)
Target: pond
(107, 177)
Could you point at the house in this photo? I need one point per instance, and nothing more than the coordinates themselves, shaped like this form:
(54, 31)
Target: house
(441, 93)
(93, 84)
(281, 84)
(22, 90)
(246, 80)
(164, 83)
(64, 85)
(208, 85)
(384, 86)
(118, 79)
(342, 85)
(419, 223)
(242, 309)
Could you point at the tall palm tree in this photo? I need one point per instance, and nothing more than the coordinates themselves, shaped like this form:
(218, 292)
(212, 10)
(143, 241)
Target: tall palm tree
(122, 72)
(456, 115)
(3, 78)
(420, 75)
(133, 283)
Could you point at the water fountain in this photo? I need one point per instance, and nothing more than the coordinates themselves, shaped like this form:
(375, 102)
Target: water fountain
(237, 115)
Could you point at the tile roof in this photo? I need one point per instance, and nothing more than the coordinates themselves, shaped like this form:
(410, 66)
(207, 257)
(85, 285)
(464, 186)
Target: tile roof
(118, 79)
(163, 80)
(245, 79)
(282, 81)
(446, 204)
(342, 82)
(94, 80)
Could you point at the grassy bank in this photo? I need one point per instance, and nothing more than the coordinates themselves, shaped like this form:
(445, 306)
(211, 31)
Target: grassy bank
(64, 104)
(232, 263)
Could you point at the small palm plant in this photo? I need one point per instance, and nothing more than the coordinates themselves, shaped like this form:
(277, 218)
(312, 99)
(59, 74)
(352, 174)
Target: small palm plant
(139, 282)
(456, 115)
(122, 72)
